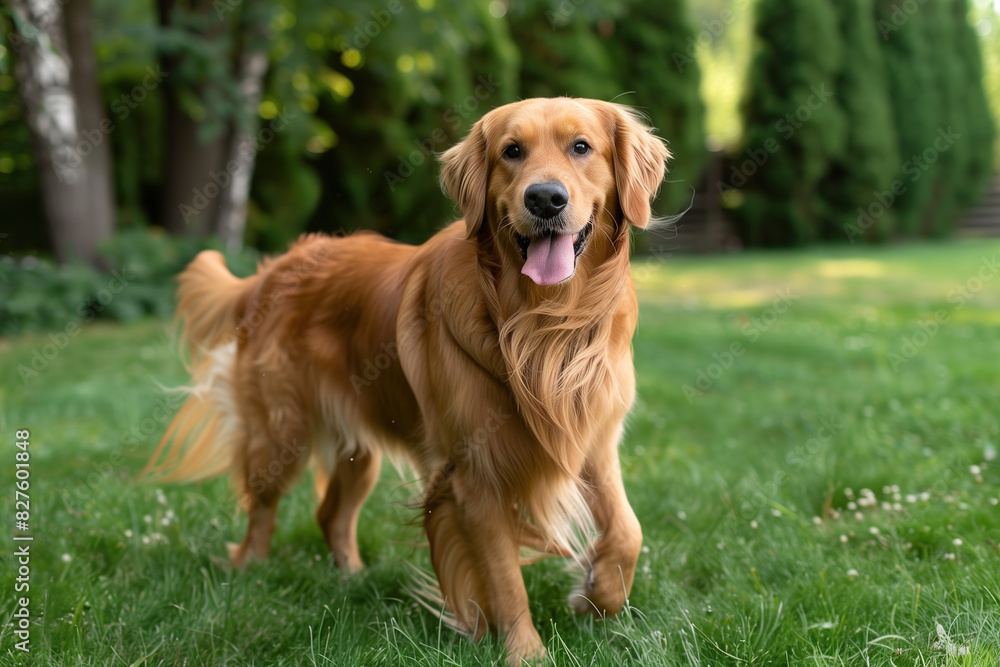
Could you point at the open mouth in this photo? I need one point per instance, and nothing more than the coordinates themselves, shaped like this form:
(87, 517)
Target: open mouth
(550, 258)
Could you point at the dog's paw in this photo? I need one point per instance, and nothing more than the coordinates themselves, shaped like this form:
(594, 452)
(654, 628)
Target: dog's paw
(581, 599)
(237, 555)
(601, 593)
(529, 652)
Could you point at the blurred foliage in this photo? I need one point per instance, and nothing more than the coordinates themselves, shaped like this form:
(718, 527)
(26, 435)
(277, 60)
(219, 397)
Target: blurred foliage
(37, 294)
(794, 124)
(868, 159)
(915, 110)
(905, 121)
(987, 24)
(362, 96)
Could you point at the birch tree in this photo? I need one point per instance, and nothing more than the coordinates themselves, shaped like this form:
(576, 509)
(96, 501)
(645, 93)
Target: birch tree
(56, 74)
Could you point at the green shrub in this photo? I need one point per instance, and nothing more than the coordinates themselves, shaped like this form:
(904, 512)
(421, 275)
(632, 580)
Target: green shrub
(40, 295)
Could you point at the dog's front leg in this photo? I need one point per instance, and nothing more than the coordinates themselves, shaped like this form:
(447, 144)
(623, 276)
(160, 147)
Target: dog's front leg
(476, 555)
(608, 582)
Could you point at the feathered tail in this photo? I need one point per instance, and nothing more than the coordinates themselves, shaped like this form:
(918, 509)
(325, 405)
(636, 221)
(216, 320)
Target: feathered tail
(211, 303)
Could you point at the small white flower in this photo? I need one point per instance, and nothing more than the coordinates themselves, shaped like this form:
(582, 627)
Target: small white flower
(753, 524)
(895, 488)
(975, 470)
(164, 521)
(145, 539)
(852, 574)
(817, 521)
(128, 532)
(925, 496)
(949, 557)
(957, 541)
(886, 490)
(776, 512)
(849, 493)
(910, 498)
(843, 539)
(873, 530)
(887, 506)
(66, 558)
(852, 506)
(681, 514)
(645, 549)
(858, 516)
(994, 501)
(147, 519)
(897, 507)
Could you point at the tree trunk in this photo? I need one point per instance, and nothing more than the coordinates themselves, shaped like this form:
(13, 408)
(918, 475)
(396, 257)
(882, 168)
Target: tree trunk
(93, 121)
(242, 151)
(69, 175)
(190, 193)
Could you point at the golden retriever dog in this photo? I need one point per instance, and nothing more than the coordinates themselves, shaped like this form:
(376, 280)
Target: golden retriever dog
(496, 358)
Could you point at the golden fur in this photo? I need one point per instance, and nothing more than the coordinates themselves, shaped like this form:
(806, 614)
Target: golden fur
(507, 397)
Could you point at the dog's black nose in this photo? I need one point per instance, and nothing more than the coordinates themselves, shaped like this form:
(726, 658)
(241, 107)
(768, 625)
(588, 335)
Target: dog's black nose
(546, 200)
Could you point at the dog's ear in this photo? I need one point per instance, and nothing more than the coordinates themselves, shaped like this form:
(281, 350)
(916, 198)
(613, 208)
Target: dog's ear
(465, 176)
(640, 164)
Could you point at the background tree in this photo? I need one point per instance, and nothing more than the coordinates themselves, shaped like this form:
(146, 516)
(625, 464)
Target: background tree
(365, 93)
(56, 74)
(795, 126)
(980, 130)
(196, 51)
(906, 134)
(646, 43)
(915, 104)
(867, 163)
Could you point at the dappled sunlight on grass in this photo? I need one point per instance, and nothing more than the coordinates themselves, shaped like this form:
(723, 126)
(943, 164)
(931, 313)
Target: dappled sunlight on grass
(915, 274)
(850, 268)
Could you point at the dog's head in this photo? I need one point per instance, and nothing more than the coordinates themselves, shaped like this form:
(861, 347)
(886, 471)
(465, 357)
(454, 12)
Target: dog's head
(546, 174)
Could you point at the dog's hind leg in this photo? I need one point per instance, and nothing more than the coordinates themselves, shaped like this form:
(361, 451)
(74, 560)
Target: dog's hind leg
(267, 468)
(352, 480)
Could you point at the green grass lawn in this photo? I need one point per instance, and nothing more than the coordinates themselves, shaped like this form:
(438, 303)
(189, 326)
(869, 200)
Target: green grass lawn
(775, 391)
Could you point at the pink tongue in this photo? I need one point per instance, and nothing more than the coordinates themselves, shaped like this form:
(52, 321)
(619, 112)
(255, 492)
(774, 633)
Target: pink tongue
(551, 259)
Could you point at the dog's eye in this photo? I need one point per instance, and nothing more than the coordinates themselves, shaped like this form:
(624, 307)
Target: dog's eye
(512, 152)
(581, 148)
